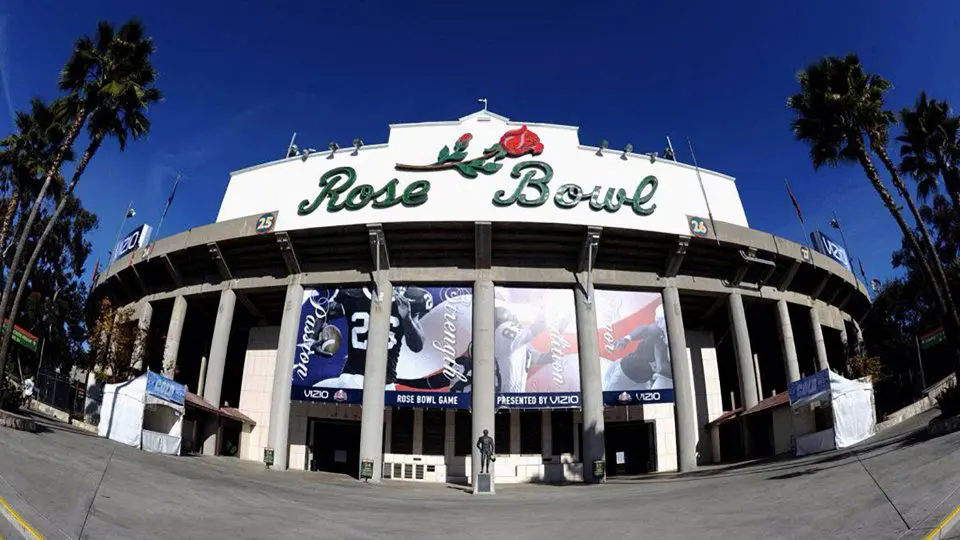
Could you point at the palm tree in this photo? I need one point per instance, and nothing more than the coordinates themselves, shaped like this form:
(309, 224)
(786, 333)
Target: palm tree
(838, 107)
(26, 154)
(113, 80)
(931, 147)
(878, 133)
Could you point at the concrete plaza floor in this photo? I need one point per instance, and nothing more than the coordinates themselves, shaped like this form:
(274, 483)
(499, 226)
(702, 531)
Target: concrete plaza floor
(71, 485)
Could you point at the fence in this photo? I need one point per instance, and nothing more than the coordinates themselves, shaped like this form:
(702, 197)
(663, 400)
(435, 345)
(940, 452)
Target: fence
(61, 392)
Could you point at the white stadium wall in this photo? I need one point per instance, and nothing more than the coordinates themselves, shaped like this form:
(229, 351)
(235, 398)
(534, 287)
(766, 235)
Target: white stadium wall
(290, 186)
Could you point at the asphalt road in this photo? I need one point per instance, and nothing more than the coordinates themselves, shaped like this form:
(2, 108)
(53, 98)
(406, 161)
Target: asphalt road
(70, 485)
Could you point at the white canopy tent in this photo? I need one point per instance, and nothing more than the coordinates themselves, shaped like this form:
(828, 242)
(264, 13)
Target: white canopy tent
(146, 412)
(831, 412)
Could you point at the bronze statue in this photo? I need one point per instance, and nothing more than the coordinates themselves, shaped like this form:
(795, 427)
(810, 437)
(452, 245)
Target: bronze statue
(485, 445)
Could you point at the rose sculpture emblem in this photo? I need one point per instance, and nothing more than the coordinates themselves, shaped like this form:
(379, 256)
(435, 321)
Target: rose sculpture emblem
(514, 143)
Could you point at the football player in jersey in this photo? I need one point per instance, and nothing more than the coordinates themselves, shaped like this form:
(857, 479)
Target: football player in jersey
(408, 306)
(648, 366)
(511, 348)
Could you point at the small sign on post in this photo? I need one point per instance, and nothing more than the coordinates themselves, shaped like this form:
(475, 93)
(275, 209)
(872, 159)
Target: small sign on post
(366, 469)
(599, 470)
(268, 457)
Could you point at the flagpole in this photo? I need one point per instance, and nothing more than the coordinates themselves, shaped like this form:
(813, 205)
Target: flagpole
(803, 227)
(703, 190)
(166, 207)
(836, 223)
(123, 222)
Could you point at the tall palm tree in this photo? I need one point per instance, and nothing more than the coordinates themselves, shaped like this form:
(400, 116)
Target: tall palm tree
(838, 107)
(878, 133)
(26, 154)
(112, 80)
(930, 148)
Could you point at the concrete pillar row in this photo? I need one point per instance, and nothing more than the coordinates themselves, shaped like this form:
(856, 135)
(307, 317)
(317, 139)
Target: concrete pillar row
(172, 346)
(591, 378)
(375, 376)
(279, 427)
(684, 393)
(744, 353)
(787, 344)
(821, 348)
(143, 332)
(217, 361)
(484, 383)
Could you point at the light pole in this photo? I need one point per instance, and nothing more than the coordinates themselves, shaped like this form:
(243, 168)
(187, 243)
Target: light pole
(128, 214)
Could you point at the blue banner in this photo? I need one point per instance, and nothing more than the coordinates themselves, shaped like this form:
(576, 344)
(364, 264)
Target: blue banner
(137, 238)
(164, 388)
(538, 400)
(638, 397)
(429, 353)
(824, 244)
(810, 385)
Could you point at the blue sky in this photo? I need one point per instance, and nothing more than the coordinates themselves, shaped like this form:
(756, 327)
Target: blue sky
(239, 80)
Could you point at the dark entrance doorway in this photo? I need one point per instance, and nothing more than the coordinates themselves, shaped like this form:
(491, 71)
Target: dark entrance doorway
(630, 447)
(335, 445)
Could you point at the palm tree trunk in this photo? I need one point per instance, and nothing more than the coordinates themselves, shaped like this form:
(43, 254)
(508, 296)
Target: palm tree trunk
(8, 215)
(34, 210)
(949, 318)
(27, 270)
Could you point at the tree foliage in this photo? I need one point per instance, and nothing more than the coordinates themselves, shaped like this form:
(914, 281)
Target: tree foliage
(112, 341)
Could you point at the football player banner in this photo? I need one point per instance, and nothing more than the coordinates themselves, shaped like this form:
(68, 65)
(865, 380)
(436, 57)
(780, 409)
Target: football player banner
(634, 351)
(535, 348)
(428, 353)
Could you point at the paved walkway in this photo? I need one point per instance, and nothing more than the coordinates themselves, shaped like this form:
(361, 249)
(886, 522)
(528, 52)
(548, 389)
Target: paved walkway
(72, 485)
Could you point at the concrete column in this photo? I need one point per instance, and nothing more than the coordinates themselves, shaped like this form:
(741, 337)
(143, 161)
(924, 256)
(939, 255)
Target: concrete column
(143, 331)
(279, 429)
(756, 375)
(591, 379)
(684, 393)
(715, 456)
(741, 344)
(202, 381)
(787, 345)
(821, 348)
(218, 358)
(172, 346)
(484, 389)
(375, 377)
(844, 340)
(546, 434)
(418, 431)
(515, 432)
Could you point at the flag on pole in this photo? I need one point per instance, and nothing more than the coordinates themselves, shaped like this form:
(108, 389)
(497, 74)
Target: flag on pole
(96, 272)
(173, 192)
(862, 272)
(793, 199)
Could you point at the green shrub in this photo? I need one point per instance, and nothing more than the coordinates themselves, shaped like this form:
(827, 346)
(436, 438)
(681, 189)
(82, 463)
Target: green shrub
(10, 395)
(948, 400)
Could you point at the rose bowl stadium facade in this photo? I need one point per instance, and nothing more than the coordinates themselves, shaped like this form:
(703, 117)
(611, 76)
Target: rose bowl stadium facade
(373, 309)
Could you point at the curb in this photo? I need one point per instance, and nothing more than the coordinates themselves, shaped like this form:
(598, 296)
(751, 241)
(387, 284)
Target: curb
(17, 522)
(15, 421)
(945, 526)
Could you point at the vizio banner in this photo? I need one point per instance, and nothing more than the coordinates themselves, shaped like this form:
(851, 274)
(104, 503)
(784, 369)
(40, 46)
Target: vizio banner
(634, 351)
(428, 352)
(535, 348)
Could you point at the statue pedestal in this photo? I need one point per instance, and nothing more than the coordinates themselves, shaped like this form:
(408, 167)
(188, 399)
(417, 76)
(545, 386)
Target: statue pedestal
(483, 485)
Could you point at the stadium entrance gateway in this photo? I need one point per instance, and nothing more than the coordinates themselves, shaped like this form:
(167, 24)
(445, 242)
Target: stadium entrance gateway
(376, 308)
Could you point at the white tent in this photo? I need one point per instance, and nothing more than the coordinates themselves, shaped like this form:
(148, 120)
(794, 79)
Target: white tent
(831, 412)
(146, 412)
